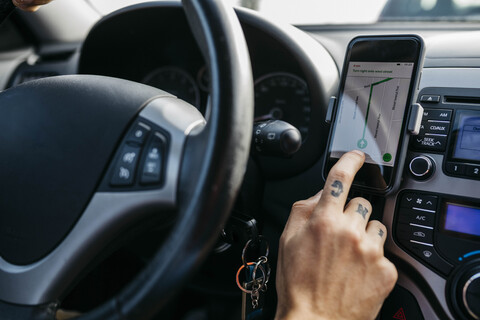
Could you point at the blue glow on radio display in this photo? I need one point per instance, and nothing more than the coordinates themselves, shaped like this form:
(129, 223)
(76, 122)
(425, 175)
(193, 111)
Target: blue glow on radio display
(462, 219)
(467, 144)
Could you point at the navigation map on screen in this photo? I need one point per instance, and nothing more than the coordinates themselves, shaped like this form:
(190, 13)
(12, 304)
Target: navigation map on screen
(371, 110)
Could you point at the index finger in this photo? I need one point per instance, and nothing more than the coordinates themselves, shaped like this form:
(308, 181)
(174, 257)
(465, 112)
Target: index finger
(339, 180)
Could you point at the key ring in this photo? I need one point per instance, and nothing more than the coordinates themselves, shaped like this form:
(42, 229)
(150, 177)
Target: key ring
(258, 264)
(260, 238)
(261, 269)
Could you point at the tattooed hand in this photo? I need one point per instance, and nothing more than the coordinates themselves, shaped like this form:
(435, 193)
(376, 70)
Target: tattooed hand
(331, 262)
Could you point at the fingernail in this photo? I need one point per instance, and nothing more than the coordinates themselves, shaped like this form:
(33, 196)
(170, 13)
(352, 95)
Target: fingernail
(359, 152)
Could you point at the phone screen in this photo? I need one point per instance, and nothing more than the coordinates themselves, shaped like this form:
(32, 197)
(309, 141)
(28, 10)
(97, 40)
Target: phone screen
(377, 86)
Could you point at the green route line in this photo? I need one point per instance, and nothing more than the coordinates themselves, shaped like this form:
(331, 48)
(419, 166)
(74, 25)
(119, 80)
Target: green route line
(369, 100)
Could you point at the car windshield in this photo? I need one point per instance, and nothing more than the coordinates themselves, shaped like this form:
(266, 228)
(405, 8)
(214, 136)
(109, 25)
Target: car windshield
(307, 12)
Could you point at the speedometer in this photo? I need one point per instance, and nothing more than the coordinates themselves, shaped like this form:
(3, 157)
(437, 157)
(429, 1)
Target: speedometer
(175, 81)
(283, 96)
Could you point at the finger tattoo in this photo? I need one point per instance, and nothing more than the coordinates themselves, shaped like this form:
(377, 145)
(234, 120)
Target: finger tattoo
(362, 210)
(380, 233)
(338, 188)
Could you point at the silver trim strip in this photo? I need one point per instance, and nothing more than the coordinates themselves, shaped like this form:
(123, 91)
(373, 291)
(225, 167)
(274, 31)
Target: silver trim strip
(435, 134)
(422, 243)
(419, 225)
(426, 210)
(439, 121)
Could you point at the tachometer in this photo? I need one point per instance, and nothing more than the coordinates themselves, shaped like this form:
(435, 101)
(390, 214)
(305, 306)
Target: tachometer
(175, 81)
(283, 96)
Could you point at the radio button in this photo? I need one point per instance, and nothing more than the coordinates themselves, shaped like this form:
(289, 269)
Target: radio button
(432, 143)
(423, 218)
(433, 98)
(455, 168)
(409, 232)
(472, 171)
(437, 114)
(436, 127)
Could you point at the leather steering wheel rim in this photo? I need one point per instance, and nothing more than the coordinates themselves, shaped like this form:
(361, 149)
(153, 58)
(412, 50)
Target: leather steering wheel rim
(211, 170)
(224, 144)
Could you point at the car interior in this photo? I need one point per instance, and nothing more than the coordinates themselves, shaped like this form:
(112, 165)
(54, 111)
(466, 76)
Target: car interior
(148, 151)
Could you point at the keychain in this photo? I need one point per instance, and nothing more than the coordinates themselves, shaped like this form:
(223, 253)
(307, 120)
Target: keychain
(256, 275)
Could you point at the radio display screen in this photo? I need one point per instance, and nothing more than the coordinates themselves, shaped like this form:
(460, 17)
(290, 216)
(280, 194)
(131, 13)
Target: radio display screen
(467, 136)
(462, 219)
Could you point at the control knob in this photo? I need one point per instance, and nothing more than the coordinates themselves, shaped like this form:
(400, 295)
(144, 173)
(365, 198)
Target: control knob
(422, 167)
(471, 295)
(465, 291)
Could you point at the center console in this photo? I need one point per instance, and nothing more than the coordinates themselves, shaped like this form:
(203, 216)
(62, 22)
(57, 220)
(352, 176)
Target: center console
(436, 213)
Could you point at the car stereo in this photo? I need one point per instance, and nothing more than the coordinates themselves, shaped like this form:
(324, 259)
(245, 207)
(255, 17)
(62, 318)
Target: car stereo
(437, 213)
(440, 229)
(451, 126)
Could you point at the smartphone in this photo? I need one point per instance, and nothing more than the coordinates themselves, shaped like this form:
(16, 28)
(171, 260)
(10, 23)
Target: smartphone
(379, 83)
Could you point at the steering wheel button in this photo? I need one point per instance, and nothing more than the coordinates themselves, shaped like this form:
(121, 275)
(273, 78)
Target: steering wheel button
(124, 172)
(152, 166)
(139, 133)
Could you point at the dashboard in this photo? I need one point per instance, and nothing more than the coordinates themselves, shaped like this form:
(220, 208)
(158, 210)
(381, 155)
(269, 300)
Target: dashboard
(161, 51)
(433, 219)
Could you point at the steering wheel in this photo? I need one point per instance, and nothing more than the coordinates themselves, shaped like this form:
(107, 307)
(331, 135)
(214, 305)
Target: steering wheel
(86, 159)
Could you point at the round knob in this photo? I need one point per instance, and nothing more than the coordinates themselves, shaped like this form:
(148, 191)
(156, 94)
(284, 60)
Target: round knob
(422, 167)
(471, 296)
(464, 291)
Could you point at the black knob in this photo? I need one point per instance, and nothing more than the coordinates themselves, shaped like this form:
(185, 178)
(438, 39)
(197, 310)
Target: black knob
(471, 296)
(276, 138)
(464, 290)
(422, 167)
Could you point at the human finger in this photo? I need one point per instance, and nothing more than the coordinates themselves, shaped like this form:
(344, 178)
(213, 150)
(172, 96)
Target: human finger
(359, 211)
(377, 232)
(339, 180)
(29, 5)
(300, 213)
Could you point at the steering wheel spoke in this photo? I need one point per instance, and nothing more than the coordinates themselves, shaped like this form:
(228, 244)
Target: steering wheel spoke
(115, 206)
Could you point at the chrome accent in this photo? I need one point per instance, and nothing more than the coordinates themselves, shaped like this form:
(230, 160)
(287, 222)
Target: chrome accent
(429, 164)
(464, 295)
